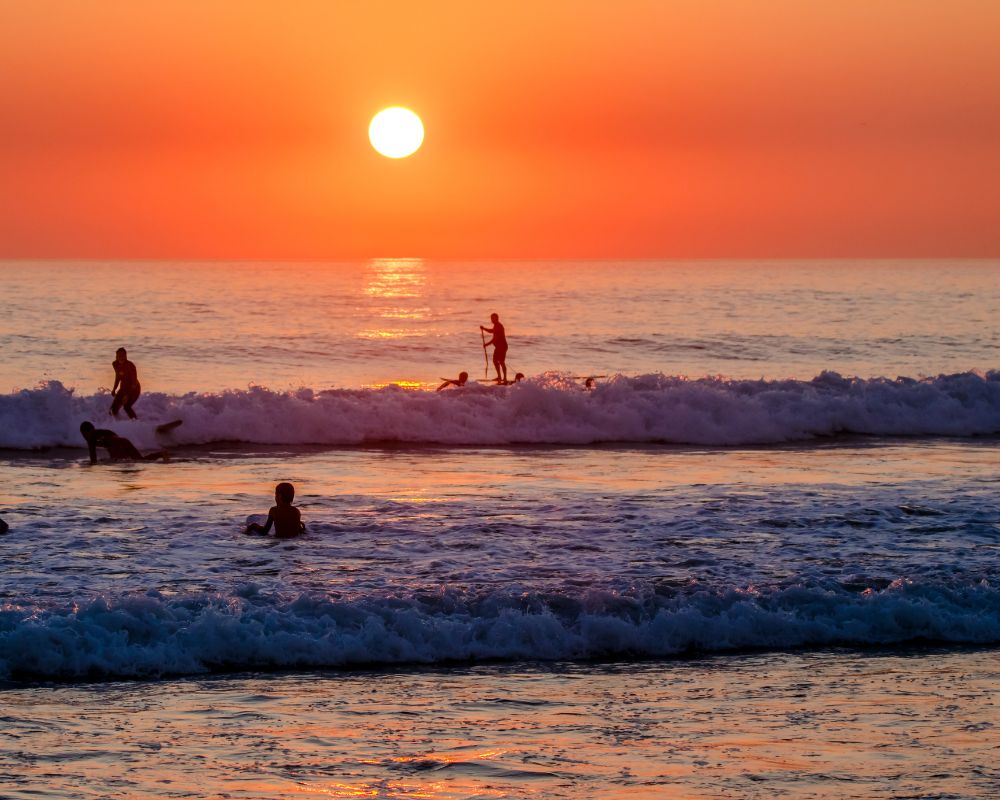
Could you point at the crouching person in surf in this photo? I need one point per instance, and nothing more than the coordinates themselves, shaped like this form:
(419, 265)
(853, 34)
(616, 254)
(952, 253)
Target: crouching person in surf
(119, 448)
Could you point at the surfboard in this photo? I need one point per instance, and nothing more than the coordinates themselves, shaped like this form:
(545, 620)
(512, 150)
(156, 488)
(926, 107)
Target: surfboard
(259, 519)
(4, 527)
(166, 427)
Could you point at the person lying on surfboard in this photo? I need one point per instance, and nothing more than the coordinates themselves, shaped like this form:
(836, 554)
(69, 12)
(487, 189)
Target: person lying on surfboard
(461, 380)
(119, 448)
(126, 389)
(286, 518)
(499, 342)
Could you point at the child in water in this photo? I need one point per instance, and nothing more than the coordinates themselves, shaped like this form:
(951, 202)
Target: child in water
(285, 517)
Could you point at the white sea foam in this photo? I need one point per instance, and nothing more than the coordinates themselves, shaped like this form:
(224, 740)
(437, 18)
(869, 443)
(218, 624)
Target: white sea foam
(152, 635)
(550, 409)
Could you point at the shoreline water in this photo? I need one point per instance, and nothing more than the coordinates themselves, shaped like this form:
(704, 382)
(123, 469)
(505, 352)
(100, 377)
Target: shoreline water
(819, 725)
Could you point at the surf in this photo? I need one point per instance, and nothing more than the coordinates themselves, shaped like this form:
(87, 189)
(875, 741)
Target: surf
(550, 409)
(152, 635)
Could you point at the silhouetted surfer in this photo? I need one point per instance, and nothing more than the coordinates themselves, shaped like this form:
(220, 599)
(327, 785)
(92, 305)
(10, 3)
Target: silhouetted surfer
(126, 389)
(118, 447)
(461, 380)
(499, 342)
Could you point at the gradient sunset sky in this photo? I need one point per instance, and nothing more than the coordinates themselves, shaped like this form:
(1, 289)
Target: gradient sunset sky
(670, 128)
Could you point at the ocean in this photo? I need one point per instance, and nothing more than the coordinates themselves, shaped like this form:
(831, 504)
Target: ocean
(757, 558)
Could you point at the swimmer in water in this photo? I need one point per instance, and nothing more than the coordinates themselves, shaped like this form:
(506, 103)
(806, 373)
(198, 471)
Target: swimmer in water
(286, 518)
(460, 381)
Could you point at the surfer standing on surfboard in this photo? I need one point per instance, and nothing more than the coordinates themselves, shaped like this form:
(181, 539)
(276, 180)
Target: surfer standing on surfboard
(499, 342)
(126, 389)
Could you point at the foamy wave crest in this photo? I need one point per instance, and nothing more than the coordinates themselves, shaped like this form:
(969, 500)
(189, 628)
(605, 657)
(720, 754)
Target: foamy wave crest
(151, 635)
(546, 410)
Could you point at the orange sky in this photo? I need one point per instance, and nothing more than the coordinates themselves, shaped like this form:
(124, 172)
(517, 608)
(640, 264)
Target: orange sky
(669, 128)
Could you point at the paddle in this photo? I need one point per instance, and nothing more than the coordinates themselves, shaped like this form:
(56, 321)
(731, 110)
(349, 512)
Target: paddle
(486, 357)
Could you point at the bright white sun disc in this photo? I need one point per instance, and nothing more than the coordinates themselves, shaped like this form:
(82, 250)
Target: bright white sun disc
(396, 132)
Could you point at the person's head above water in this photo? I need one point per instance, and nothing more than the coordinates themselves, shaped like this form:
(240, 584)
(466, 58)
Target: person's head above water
(494, 317)
(86, 428)
(463, 377)
(519, 377)
(284, 493)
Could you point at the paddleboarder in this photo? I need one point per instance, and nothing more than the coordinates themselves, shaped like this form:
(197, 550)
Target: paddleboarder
(499, 342)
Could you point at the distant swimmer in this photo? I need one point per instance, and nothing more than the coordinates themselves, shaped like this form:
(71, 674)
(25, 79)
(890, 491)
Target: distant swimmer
(118, 447)
(126, 389)
(589, 381)
(499, 342)
(286, 518)
(461, 380)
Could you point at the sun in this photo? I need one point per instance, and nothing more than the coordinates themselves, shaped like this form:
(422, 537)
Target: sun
(396, 132)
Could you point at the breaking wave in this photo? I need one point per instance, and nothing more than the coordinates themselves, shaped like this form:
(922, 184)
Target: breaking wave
(550, 409)
(152, 635)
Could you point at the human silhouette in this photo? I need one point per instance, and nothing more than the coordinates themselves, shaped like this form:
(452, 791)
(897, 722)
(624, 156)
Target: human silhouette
(499, 342)
(126, 389)
(286, 518)
(461, 380)
(119, 448)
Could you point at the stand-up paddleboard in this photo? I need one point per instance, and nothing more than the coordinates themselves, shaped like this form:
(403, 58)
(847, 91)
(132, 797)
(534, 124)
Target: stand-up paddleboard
(166, 427)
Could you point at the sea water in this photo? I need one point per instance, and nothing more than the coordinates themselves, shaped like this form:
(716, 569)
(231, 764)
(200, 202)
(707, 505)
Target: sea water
(759, 557)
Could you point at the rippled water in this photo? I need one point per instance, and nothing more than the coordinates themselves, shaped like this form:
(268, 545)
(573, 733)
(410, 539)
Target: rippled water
(820, 725)
(549, 591)
(208, 327)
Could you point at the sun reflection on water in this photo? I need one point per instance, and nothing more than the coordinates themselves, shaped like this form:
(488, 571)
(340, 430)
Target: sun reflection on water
(396, 289)
(395, 278)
